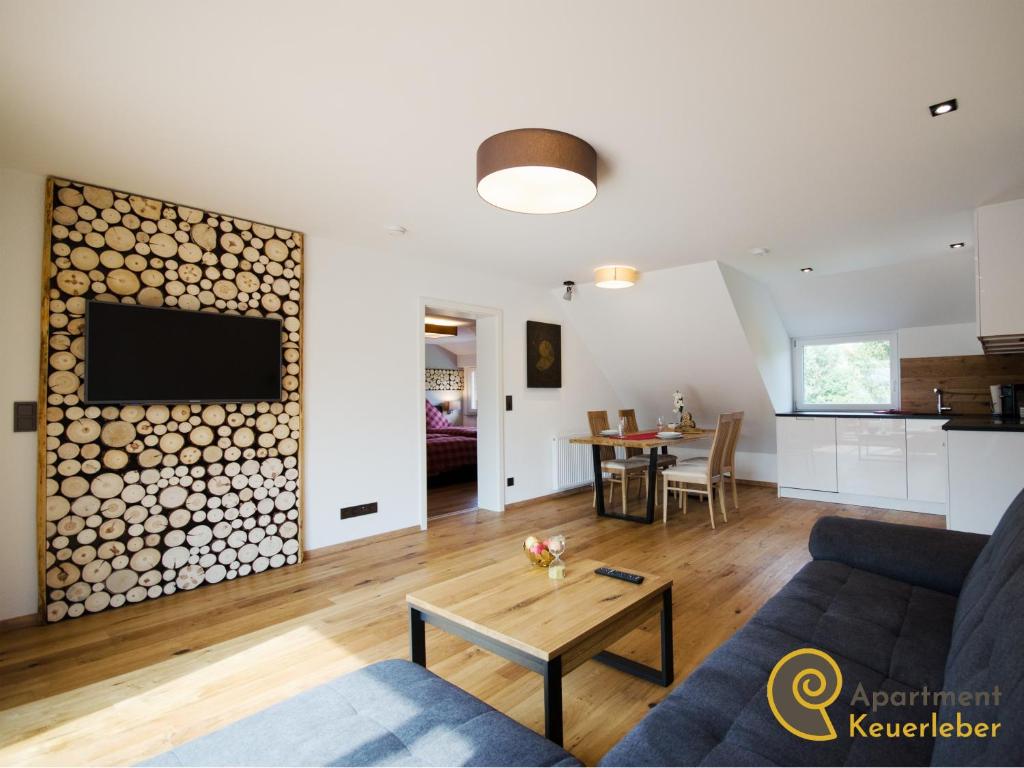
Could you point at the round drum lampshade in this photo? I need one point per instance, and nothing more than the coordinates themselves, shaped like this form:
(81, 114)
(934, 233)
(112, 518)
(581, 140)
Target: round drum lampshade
(614, 276)
(536, 170)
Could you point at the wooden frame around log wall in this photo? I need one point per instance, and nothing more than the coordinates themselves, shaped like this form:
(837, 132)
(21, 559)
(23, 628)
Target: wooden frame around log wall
(136, 502)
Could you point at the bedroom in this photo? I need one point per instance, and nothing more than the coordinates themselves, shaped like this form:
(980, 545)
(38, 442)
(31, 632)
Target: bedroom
(451, 413)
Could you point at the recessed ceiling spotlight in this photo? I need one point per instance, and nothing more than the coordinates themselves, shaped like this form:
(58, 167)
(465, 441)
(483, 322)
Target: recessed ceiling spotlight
(943, 107)
(956, 245)
(806, 269)
(397, 230)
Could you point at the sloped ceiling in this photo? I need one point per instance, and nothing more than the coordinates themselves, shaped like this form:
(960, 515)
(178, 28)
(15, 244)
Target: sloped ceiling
(676, 329)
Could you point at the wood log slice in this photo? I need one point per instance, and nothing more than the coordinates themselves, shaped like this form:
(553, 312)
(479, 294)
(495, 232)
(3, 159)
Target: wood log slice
(56, 507)
(180, 413)
(96, 571)
(62, 576)
(111, 529)
(150, 457)
(98, 197)
(84, 258)
(115, 459)
(107, 485)
(70, 197)
(121, 581)
(73, 282)
(231, 242)
(145, 207)
(120, 239)
(150, 297)
(65, 215)
(123, 282)
(117, 434)
(204, 236)
(83, 431)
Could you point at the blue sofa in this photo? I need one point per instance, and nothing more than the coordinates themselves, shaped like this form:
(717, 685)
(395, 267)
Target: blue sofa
(898, 608)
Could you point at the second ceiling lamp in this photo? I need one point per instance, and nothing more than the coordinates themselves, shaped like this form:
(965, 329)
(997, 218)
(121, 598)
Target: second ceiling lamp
(536, 170)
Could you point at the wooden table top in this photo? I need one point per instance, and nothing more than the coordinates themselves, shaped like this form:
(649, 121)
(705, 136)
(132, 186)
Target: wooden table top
(516, 603)
(653, 442)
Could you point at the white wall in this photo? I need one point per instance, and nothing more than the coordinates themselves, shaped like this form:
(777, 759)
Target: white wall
(766, 335)
(21, 243)
(363, 393)
(678, 328)
(940, 340)
(435, 356)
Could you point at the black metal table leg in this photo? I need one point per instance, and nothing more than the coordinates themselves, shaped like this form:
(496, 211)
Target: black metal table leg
(553, 700)
(417, 637)
(652, 484)
(598, 482)
(666, 674)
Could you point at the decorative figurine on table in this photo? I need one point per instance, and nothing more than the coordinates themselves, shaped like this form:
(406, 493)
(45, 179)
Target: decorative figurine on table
(688, 424)
(556, 546)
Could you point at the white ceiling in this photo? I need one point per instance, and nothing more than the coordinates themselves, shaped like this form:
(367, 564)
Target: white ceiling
(722, 125)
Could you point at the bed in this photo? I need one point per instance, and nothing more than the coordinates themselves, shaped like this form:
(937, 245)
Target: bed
(449, 449)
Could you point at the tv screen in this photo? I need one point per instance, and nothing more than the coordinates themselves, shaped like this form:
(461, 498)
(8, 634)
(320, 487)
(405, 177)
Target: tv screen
(139, 354)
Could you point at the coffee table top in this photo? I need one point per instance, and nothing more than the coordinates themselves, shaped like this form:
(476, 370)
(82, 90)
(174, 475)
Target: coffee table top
(516, 603)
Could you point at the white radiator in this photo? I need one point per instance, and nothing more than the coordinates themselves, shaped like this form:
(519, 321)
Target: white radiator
(574, 464)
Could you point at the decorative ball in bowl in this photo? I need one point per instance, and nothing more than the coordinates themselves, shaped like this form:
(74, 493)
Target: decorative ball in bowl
(538, 552)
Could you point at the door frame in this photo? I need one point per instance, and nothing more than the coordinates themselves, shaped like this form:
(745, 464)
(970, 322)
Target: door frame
(491, 397)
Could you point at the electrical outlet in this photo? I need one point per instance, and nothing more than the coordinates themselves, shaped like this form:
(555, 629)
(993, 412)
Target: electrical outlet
(358, 510)
(25, 416)
(510, 482)
(508, 402)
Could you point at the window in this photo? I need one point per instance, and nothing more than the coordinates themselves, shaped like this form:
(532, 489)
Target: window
(846, 373)
(471, 389)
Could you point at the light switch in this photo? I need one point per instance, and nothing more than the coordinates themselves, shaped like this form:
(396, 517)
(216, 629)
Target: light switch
(25, 417)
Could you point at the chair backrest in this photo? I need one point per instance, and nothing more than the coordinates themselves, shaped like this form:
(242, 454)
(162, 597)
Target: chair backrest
(729, 457)
(598, 422)
(719, 444)
(629, 416)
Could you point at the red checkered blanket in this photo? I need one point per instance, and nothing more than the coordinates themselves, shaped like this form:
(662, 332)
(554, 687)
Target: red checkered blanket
(446, 452)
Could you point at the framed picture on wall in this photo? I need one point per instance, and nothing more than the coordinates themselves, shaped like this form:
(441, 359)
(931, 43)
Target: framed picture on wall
(543, 355)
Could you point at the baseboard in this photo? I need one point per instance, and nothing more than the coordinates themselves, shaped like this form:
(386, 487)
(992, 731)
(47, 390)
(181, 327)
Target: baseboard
(758, 483)
(20, 622)
(547, 497)
(879, 502)
(312, 554)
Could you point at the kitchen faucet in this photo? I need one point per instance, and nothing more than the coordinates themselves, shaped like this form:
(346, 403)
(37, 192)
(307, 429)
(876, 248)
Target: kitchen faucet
(942, 408)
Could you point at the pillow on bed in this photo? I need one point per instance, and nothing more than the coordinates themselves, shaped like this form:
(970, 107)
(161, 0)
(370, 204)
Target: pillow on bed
(435, 419)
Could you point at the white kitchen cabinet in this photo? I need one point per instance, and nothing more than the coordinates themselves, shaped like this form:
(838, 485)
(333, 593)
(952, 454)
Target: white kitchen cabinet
(927, 464)
(985, 475)
(871, 457)
(1000, 268)
(807, 452)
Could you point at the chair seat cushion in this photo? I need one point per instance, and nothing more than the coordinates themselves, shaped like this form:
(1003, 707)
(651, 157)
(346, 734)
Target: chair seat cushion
(390, 713)
(883, 633)
(618, 464)
(687, 473)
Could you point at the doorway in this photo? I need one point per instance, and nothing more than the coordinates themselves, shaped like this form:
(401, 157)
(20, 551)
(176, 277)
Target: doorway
(462, 462)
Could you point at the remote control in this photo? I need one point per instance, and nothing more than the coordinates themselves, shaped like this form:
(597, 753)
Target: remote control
(611, 572)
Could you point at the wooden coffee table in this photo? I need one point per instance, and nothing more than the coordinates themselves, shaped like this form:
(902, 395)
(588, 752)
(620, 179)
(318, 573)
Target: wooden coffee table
(513, 609)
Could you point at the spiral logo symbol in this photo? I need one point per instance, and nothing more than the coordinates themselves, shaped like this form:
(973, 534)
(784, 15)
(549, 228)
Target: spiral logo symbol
(800, 687)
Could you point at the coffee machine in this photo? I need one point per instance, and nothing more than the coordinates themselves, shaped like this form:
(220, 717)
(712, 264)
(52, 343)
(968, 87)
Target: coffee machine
(1008, 400)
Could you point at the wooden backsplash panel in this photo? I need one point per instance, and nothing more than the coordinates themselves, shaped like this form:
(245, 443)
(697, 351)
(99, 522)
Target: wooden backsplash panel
(964, 380)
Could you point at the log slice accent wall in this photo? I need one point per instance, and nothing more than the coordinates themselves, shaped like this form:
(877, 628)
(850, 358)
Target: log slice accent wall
(136, 502)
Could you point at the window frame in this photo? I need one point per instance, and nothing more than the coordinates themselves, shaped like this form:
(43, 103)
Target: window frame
(894, 371)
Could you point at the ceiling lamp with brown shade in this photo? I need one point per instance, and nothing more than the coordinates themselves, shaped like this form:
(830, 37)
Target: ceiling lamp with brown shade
(536, 170)
(615, 276)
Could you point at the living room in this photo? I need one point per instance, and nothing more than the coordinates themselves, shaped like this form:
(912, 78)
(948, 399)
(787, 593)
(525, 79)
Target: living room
(742, 281)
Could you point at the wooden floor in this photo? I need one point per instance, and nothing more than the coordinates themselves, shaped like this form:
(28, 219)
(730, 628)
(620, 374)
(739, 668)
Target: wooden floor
(451, 497)
(118, 687)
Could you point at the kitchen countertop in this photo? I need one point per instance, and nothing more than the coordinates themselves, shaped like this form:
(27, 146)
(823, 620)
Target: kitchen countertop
(954, 422)
(866, 415)
(983, 424)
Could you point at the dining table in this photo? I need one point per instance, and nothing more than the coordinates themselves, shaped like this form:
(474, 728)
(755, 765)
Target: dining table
(645, 440)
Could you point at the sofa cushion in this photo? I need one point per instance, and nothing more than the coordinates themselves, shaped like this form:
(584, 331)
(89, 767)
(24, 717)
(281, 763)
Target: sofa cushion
(390, 713)
(883, 633)
(985, 651)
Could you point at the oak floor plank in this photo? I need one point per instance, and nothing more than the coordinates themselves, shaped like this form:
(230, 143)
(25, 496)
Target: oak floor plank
(118, 687)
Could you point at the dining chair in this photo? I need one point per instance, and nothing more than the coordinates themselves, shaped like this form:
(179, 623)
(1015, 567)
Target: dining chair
(729, 457)
(618, 470)
(628, 415)
(705, 477)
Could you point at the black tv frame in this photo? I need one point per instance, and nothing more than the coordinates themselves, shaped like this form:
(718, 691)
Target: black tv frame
(85, 377)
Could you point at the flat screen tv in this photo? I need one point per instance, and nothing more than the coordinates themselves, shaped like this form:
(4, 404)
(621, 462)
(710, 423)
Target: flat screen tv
(137, 354)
